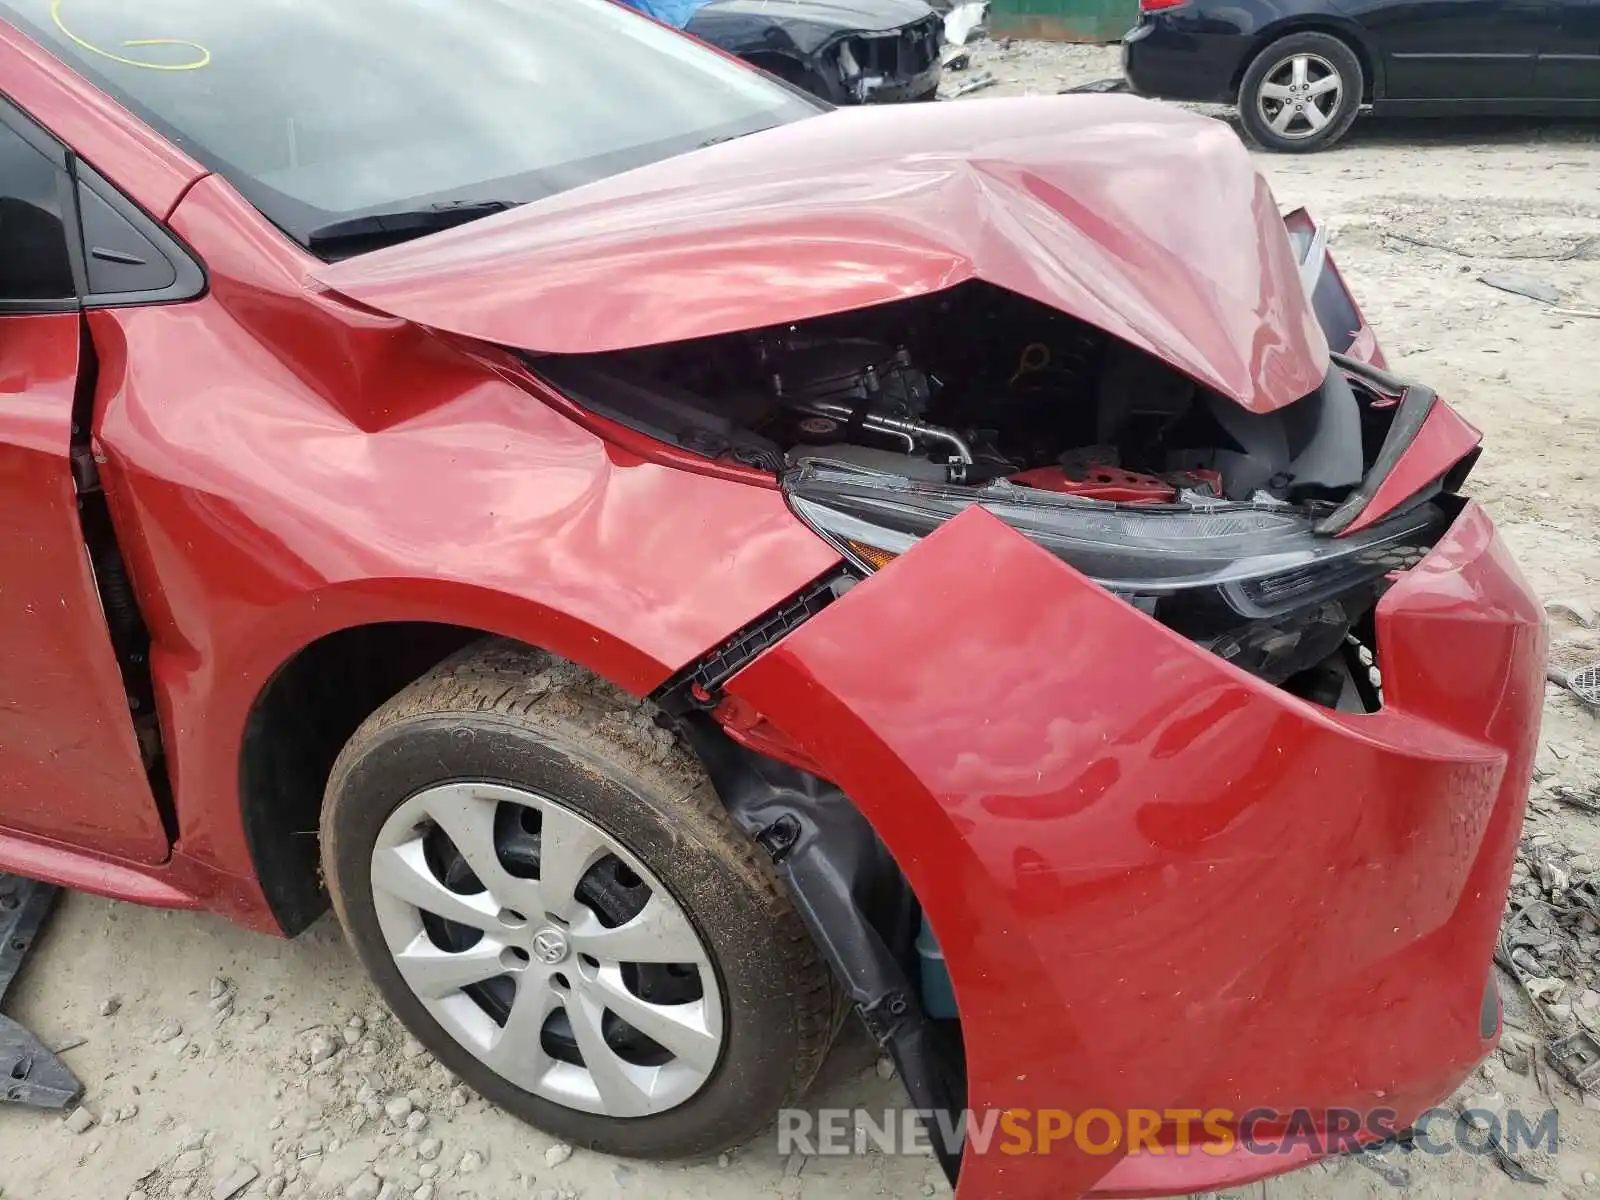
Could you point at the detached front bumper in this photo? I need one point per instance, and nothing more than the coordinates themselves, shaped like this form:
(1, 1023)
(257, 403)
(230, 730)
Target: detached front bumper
(1159, 882)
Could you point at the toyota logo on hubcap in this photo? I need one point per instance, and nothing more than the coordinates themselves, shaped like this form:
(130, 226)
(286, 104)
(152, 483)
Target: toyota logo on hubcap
(550, 945)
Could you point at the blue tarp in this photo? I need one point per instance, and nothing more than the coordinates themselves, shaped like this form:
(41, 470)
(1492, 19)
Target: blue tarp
(676, 13)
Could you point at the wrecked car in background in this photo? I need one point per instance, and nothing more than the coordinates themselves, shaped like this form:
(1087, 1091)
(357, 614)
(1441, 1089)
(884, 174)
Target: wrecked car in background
(842, 51)
(968, 564)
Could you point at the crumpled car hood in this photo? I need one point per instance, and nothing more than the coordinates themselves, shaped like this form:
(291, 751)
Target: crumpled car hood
(1146, 221)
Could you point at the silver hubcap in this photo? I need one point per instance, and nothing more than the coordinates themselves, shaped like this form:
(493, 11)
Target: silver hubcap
(1299, 96)
(528, 974)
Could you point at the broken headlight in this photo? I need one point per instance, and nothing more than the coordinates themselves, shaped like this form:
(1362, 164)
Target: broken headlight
(1250, 581)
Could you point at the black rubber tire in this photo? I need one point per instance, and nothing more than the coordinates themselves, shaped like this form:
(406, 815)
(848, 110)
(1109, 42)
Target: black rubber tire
(1326, 46)
(500, 712)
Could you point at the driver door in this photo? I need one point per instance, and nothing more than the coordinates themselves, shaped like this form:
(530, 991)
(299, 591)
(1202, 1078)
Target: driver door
(1569, 62)
(70, 767)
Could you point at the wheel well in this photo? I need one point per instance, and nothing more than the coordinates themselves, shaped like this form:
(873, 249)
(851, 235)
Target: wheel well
(298, 725)
(862, 910)
(1310, 25)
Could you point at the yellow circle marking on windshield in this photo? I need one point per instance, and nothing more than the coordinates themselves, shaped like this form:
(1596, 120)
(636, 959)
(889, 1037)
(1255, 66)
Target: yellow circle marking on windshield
(203, 60)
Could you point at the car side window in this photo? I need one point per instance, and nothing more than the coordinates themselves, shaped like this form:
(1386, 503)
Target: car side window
(34, 261)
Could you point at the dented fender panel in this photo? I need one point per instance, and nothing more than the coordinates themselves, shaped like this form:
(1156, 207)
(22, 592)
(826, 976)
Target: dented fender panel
(1158, 881)
(282, 465)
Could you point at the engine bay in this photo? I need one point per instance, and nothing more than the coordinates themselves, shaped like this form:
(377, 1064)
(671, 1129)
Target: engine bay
(972, 385)
(1223, 523)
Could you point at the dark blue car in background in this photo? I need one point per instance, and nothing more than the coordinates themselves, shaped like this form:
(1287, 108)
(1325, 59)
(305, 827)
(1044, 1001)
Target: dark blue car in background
(1301, 69)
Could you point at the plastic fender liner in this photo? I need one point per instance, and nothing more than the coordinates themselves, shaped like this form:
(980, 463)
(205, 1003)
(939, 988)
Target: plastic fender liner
(1336, 309)
(848, 890)
(1158, 881)
(33, 1075)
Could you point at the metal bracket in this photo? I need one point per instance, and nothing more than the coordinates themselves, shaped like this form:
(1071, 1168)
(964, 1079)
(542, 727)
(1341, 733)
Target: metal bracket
(699, 685)
(29, 1073)
(1577, 1056)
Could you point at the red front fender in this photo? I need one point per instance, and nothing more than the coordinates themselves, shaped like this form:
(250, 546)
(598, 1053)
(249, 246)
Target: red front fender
(1159, 882)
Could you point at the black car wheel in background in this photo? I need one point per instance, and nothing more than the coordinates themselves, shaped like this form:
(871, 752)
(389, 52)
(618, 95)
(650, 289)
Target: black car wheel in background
(1301, 93)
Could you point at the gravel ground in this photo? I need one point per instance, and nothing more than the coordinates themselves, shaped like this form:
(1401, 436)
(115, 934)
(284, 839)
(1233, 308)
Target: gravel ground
(222, 1063)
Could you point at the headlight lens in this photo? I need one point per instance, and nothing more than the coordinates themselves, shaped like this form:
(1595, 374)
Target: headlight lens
(1251, 581)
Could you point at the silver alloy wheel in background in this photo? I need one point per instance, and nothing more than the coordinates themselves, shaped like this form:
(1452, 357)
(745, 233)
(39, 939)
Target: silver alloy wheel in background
(1299, 96)
(552, 945)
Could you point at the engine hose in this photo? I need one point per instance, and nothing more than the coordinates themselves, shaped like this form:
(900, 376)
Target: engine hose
(899, 426)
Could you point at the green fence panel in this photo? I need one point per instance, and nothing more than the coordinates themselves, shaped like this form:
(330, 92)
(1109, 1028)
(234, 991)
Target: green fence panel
(1063, 20)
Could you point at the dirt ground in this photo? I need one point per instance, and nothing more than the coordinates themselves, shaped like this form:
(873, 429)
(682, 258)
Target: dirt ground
(199, 1035)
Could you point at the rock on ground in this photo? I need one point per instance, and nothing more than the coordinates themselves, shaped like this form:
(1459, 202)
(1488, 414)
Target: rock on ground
(79, 1120)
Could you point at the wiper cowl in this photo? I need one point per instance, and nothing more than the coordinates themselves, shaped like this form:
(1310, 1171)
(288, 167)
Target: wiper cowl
(387, 228)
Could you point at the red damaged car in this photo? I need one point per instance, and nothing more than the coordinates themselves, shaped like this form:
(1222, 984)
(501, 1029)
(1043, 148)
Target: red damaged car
(704, 563)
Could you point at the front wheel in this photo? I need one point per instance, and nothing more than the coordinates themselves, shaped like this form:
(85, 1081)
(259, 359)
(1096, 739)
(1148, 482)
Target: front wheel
(1301, 93)
(549, 895)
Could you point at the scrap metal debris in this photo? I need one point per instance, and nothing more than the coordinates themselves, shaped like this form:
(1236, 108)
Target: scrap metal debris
(977, 83)
(1510, 1164)
(956, 58)
(963, 20)
(1584, 801)
(1550, 945)
(1376, 1158)
(1574, 609)
(1489, 1112)
(1577, 1057)
(1584, 683)
(1521, 285)
(1118, 84)
(1385, 1158)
